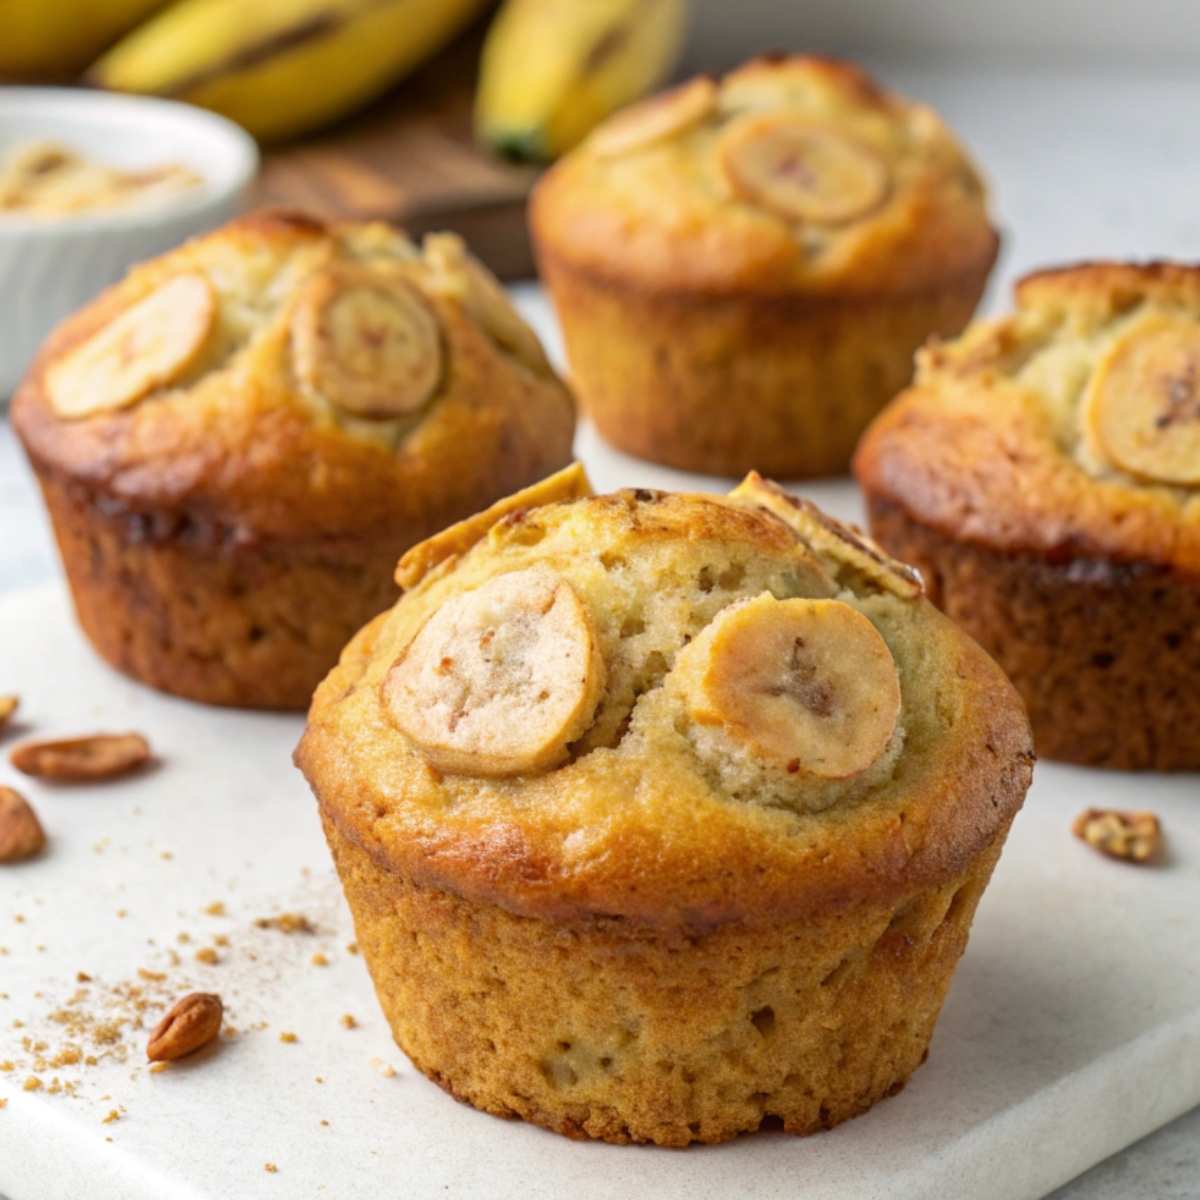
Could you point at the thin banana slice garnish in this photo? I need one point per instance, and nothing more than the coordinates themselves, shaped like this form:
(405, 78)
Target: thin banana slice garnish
(571, 483)
(147, 347)
(367, 342)
(500, 679)
(808, 685)
(801, 170)
(1142, 408)
(482, 295)
(830, 539)
(656, 119)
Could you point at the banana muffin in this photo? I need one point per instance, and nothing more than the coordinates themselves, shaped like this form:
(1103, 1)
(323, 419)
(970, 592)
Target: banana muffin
(744, 267)
(1043, 473)
(237, 441)
(663, 816)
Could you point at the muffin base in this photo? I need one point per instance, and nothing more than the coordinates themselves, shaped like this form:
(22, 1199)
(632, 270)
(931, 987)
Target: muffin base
(1105, 655)
(627, 1033)
(188, 610)
(726, 384)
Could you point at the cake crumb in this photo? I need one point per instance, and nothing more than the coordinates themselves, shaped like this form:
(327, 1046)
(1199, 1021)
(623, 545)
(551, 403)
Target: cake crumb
(32, 1084)
(351, 947)
(206, 954)
(288, 922)
(270, 1168)
(151, 976)
(348, 1021)
(215, 909)
(384, 1068)
(288, 1037)
(82, 977)
(112, 1116)
(319, 960)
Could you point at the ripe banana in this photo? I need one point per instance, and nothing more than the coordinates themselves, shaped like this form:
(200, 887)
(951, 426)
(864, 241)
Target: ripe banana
(285, 67)
(553, 69)
(56, 38)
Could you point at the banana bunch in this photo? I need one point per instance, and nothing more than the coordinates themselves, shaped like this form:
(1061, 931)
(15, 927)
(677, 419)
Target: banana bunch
(553, 69)
(280, 67)
(56, 38)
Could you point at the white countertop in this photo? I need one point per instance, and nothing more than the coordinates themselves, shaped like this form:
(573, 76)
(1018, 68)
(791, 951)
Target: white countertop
(1084, 166)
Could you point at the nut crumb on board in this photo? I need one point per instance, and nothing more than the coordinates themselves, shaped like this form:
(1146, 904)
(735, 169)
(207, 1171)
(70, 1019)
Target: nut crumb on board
(21, 833)
(1129, 836)
(288, 922)
(207, 955)
(8, 705)
(82, 759)
(192, 1022)
(288, 1037)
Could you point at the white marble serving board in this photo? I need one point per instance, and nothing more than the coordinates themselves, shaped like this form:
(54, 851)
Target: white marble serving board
(1072, 1028)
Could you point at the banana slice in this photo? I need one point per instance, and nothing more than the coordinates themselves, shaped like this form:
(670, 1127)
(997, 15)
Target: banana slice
(657, 118)
(571, 483)
(367, 342)
(802, 171)
(831, 540)
(806, 684)
(499, 680)
(150, 344)
(484, 298)
(1142, 409)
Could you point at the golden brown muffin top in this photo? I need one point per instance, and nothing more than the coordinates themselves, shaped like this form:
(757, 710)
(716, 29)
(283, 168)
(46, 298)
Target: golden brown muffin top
(681, 709)
(1070, 428)
(789, 174)
(289, 377)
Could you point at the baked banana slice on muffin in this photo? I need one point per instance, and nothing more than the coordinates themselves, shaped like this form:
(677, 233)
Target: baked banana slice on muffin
(743, 267)
(1044, 474)
(237, 441)
(661, 815)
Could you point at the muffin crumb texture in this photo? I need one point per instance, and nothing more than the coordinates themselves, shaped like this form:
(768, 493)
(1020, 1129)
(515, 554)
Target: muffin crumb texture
(238, 440)
(664, 816)
(788, 235)
(1042, 473)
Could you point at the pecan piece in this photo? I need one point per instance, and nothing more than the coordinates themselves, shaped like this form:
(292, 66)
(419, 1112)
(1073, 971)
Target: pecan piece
(8, 706)
(82, 759)
(191, 1022)
(21, 833)
(1130, 836)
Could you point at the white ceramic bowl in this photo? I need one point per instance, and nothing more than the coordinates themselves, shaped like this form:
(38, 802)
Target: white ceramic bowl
(51, 266)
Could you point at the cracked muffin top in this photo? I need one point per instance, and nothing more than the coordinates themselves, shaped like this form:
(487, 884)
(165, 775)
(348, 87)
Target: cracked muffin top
(292, 378)
(1070, 428)
(789, 173)
(677, 708)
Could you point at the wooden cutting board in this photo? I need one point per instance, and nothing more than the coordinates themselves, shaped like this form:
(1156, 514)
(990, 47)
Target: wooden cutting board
(411, 159)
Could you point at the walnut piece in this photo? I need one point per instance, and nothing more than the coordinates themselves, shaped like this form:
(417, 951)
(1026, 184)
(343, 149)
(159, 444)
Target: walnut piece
(21, 833)
(82, 759)
(1130, 836)
(191, 1022)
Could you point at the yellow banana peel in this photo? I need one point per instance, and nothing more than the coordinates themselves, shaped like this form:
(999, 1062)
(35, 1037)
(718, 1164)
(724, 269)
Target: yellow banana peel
(286, 67)
(553, 69)
(42, 39)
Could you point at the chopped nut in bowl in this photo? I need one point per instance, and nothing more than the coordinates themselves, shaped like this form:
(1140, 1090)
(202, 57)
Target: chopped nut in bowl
(94, 183)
